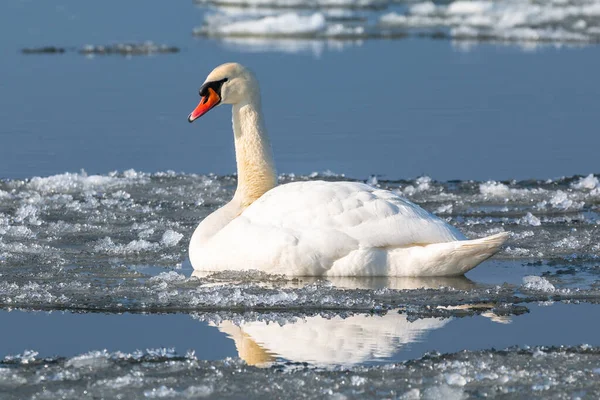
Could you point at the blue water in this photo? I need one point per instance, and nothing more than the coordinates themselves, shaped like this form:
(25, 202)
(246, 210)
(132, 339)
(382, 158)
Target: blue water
(397, 108)
(393, 108)
(67, 334)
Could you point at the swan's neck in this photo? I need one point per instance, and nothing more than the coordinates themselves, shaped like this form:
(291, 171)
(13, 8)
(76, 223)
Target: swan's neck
(255, 168)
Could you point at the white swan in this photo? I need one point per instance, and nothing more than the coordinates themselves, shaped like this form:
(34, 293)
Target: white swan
(315, 228)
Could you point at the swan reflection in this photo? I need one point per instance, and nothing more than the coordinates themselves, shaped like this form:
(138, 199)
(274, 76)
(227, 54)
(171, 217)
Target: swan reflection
(327, 342)
(333, 341)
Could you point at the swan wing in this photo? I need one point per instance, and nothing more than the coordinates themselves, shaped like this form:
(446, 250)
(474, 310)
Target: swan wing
(371, 216)
(308, 226)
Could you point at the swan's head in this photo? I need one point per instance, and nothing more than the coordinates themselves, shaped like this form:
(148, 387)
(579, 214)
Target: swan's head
(229, 83)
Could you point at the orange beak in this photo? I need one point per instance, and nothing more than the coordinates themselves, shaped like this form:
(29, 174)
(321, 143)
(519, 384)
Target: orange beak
(206, 103)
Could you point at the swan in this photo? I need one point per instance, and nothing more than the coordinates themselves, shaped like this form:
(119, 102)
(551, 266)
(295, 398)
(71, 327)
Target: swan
(315, 228)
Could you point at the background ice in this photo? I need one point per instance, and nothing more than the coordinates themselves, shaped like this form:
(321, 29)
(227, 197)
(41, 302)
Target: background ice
(569, 21)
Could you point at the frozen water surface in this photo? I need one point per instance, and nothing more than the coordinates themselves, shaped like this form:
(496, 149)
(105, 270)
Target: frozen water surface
(117, 243)
(559, 22)
(538, 372)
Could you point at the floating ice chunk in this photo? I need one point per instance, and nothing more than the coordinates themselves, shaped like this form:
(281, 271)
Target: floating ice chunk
(28, 213)
(469, 7)
(160, 393)
(494, 189)
(561, 201)
(372, 180)
(356, 380)
(424, 8)
(170, 238)
(423, 183)
(443, 392)
(444, 209)
(106, 245)
(18, 231)
(454, 379)
(538, 284)
(570, 242)
(120, 382)
(516, 20)
(412, 394)
(92, 360)
(517, 251)
(70, 182)
(26, 357)
(288, 24)
(530, 219)
(589, 182)
(170, 276)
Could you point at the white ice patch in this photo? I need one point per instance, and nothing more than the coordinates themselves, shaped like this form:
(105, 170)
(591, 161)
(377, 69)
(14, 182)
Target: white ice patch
(284, 25)
(70, 182)
(422, 184)
(170, 276)
(510, 20)
(561, 201)
(454, 379)
(590, 182)
(170, 238)
(530, 219)
(26, 357)
(494, 189)
(106, 245)
(538, 284)
(498, 190)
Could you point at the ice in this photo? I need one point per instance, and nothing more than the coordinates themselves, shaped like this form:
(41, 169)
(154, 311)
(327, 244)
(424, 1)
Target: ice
(538, 283)
(560, 200)
(513, 20)
(70, 182)
(170, 238)
(127, 49)
(537, 372)
(468, 7)
(454, 379)
(589, 182)
(288, 24)
(27, 357)
(426, 7)
(494, 189)
(530, 219)
(111, 242)
(275, 22)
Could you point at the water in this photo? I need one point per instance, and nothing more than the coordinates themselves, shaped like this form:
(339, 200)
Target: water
(102, 182)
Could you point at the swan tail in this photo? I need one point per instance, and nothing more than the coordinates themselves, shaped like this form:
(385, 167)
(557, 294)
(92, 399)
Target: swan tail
(444, 259)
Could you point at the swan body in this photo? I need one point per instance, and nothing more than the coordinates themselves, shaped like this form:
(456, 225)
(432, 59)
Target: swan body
(316, 228)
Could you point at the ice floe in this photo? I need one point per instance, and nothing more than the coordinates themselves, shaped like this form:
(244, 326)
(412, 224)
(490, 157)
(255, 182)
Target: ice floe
(529, 23)
(513, 20)
(538, 372)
